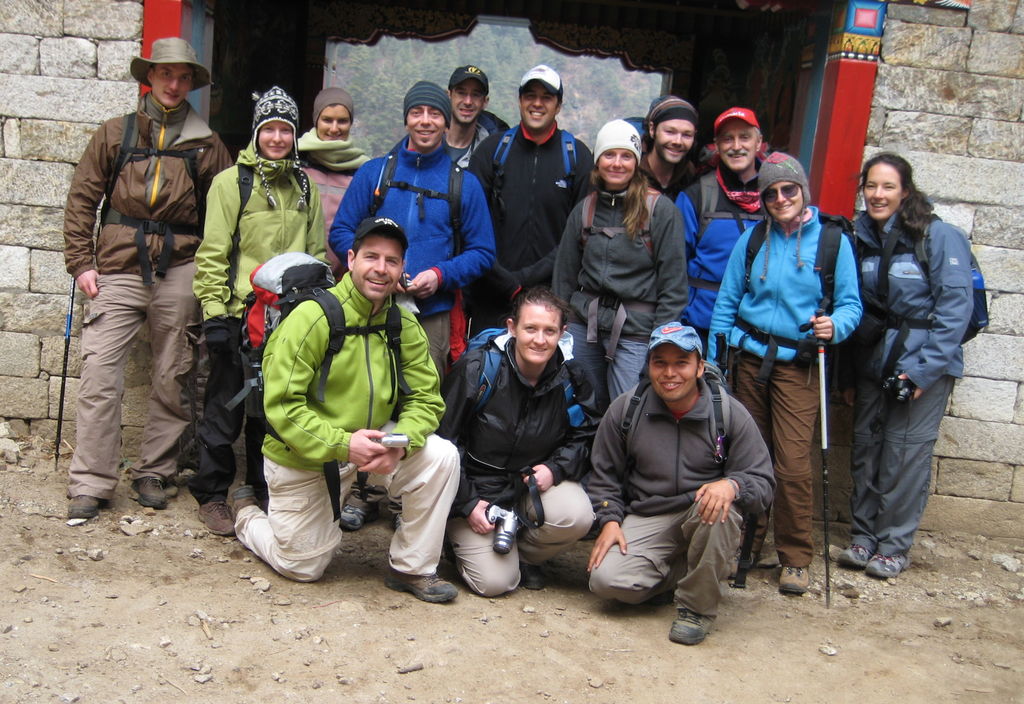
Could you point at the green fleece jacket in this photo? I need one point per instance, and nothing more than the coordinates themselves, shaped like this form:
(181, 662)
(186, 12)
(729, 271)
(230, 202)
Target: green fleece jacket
(265, 232)
(361, 386)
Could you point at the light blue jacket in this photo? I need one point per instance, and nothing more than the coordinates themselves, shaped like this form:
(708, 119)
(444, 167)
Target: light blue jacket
(788, 295)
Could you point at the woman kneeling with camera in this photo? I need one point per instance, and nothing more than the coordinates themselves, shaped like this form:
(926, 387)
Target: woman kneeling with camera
(523, 418)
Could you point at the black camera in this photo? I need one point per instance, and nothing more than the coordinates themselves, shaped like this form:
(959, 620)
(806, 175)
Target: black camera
(901, 389)
(506, 525)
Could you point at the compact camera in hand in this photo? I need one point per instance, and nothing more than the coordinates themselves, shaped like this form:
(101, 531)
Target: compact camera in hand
(900, 389)
(394, 440)
(506, 525)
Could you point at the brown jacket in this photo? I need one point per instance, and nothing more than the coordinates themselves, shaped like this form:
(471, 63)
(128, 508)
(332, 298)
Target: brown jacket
(115, 251)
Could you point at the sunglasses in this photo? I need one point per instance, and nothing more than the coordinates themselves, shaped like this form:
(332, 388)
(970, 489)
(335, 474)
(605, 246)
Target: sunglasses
(788, 192)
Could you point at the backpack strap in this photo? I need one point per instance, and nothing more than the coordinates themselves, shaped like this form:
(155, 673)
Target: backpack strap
(753, 246)
(393, 332)
(501, 153)
(587, 224)
(632, 413)
(455, 177)
(245, 182)
(569, 157)
(335, 314)
(128, 137)
(720, 417)
(829, 242)
(488, 376)
(387, 172)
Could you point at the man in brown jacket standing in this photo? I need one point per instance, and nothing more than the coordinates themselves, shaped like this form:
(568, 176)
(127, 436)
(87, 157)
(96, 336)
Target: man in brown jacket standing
(151, 170)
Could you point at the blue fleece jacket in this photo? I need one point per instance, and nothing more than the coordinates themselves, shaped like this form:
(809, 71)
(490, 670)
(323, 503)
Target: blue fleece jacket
(706, 259)
(426, 221)
(788, 294)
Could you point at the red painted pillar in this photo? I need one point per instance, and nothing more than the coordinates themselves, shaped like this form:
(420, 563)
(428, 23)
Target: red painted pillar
(160, 18)
(849, 84)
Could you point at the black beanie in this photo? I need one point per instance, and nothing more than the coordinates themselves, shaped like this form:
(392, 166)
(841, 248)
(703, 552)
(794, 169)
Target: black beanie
(431, 95)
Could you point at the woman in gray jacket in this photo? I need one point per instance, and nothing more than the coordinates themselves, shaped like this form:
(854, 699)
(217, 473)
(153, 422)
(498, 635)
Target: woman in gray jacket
(916, 285)
(621, 265)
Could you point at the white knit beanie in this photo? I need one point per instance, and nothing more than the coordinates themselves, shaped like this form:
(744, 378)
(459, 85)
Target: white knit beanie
(617, 134)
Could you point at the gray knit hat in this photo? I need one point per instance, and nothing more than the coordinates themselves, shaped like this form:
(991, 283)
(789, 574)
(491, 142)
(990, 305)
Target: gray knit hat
(333, 96)
(778, 167)
(431, 95)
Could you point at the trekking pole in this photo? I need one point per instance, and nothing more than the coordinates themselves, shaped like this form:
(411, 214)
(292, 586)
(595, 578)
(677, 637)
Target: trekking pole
(64, 373)
(823, 389)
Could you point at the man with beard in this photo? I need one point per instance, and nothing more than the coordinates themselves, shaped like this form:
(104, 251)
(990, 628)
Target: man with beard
(717, 209)
(670, 125)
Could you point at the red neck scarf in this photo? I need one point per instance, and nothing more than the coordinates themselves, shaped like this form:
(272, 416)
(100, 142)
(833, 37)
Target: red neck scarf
(748, 200)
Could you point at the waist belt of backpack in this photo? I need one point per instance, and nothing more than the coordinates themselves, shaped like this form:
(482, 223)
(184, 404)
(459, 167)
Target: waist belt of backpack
(149, 227)
(705, 284)
(599, 301)
(773, 343)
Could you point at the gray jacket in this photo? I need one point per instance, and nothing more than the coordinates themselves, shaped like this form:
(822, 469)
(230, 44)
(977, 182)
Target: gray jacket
(943, 294)
(666, 461)
(624, 269)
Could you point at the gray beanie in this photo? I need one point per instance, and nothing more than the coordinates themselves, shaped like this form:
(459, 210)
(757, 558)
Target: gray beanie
(333, 96)
(431, 95)
(778, 167)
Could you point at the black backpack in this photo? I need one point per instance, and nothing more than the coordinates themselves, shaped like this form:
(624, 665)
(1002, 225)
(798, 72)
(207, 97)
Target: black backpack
(128, 152)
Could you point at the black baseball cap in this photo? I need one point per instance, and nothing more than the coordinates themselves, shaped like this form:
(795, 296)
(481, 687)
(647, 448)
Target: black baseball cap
(465, 72)
(382, 227)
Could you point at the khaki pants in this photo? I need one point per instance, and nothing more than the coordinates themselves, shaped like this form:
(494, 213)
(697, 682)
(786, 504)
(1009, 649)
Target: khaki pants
(439, 330)
(674, 549)
(567, 518)
(113, 319)
(298, 535)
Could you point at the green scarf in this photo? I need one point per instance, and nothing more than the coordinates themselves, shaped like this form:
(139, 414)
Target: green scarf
(337, 155)
(268, 171)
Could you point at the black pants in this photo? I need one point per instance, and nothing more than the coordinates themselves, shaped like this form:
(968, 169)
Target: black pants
(220, 427)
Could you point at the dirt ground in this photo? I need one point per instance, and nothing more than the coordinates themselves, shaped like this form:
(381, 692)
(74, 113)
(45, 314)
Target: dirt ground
(144, 606)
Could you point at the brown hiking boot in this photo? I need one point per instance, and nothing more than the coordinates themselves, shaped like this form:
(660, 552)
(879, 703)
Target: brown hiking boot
(427, 587)
(83, 506)
(216, 516)
(149, 491)
(794, 580)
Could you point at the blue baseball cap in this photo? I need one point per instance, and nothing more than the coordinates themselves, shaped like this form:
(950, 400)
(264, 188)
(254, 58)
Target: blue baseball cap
(682, 336)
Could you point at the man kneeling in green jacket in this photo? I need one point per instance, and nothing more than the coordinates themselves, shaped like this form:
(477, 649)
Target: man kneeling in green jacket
(299, 534)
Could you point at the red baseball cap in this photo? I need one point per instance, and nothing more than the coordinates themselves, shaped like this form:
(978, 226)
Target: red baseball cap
(744, 114)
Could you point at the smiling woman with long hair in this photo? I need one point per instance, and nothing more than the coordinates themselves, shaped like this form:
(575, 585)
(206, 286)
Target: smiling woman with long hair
(621, 265)
(916, 286)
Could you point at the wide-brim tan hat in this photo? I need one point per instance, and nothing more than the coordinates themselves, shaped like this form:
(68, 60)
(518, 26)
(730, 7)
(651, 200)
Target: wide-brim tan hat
(171, 50)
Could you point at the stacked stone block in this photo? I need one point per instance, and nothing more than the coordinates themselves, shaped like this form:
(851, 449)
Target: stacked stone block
(63, 70)
(950, 96)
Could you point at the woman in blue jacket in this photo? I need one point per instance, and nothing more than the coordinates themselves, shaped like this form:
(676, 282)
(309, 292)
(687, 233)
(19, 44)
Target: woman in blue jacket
(908, 355)
(773, 315)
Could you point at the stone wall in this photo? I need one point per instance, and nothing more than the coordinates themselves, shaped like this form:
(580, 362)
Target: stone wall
(949, 96)
(63, 70)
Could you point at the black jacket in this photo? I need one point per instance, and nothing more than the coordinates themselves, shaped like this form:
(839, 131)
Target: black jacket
(534, 204)
(520, 426)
